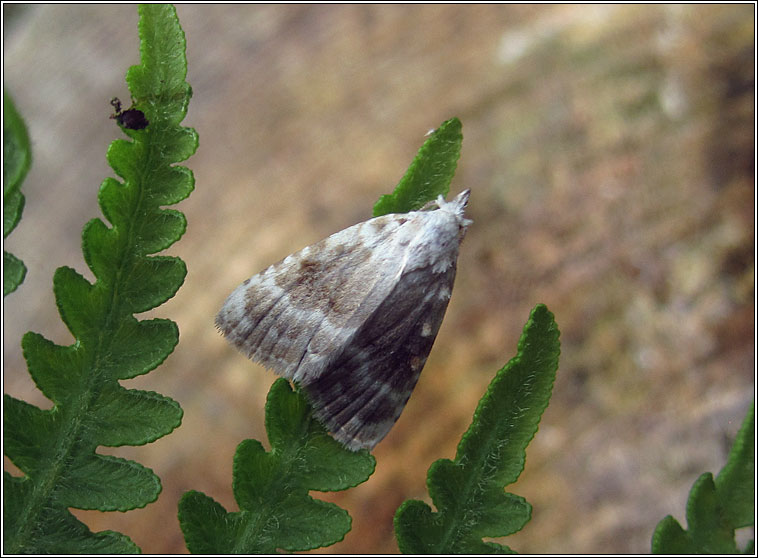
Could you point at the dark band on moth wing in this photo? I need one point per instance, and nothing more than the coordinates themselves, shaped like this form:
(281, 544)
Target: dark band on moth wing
(364, 391)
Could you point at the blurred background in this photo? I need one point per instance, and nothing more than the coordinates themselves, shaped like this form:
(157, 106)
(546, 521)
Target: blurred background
(610, 153)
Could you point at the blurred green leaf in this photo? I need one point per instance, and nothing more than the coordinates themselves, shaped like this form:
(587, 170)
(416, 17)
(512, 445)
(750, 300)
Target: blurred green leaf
(17, 158)
(715, 509)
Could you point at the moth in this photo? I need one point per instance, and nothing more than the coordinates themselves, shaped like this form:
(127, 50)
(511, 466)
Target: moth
(352, 318)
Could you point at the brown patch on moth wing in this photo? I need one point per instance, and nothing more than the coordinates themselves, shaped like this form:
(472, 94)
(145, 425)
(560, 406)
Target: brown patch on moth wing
(379, 229)
(344, 283)
(364, 288)
(307, 268)
(377, 225)
(316, 275)
(351, 284)
(340, 250)
(330, 311)
(324, 291)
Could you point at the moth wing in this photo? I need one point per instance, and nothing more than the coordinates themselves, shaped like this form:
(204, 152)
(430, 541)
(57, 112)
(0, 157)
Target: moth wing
(296, 316)
(364, 391)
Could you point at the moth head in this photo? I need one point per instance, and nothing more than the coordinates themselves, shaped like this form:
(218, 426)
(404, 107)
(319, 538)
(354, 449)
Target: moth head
(457, 207)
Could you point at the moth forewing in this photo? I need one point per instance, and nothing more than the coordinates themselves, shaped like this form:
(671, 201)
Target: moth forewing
(352, 318)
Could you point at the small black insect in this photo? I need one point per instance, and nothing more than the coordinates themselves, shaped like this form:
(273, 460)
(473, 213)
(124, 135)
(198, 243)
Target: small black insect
(131, 119)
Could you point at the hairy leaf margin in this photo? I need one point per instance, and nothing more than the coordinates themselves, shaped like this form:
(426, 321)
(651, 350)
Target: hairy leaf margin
(272, 488)
(56, 448)
(17, 158)
(430, 173)
(468, 491)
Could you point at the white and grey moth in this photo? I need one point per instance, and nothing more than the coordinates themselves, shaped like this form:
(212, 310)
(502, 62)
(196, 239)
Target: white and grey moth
(352, 318)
